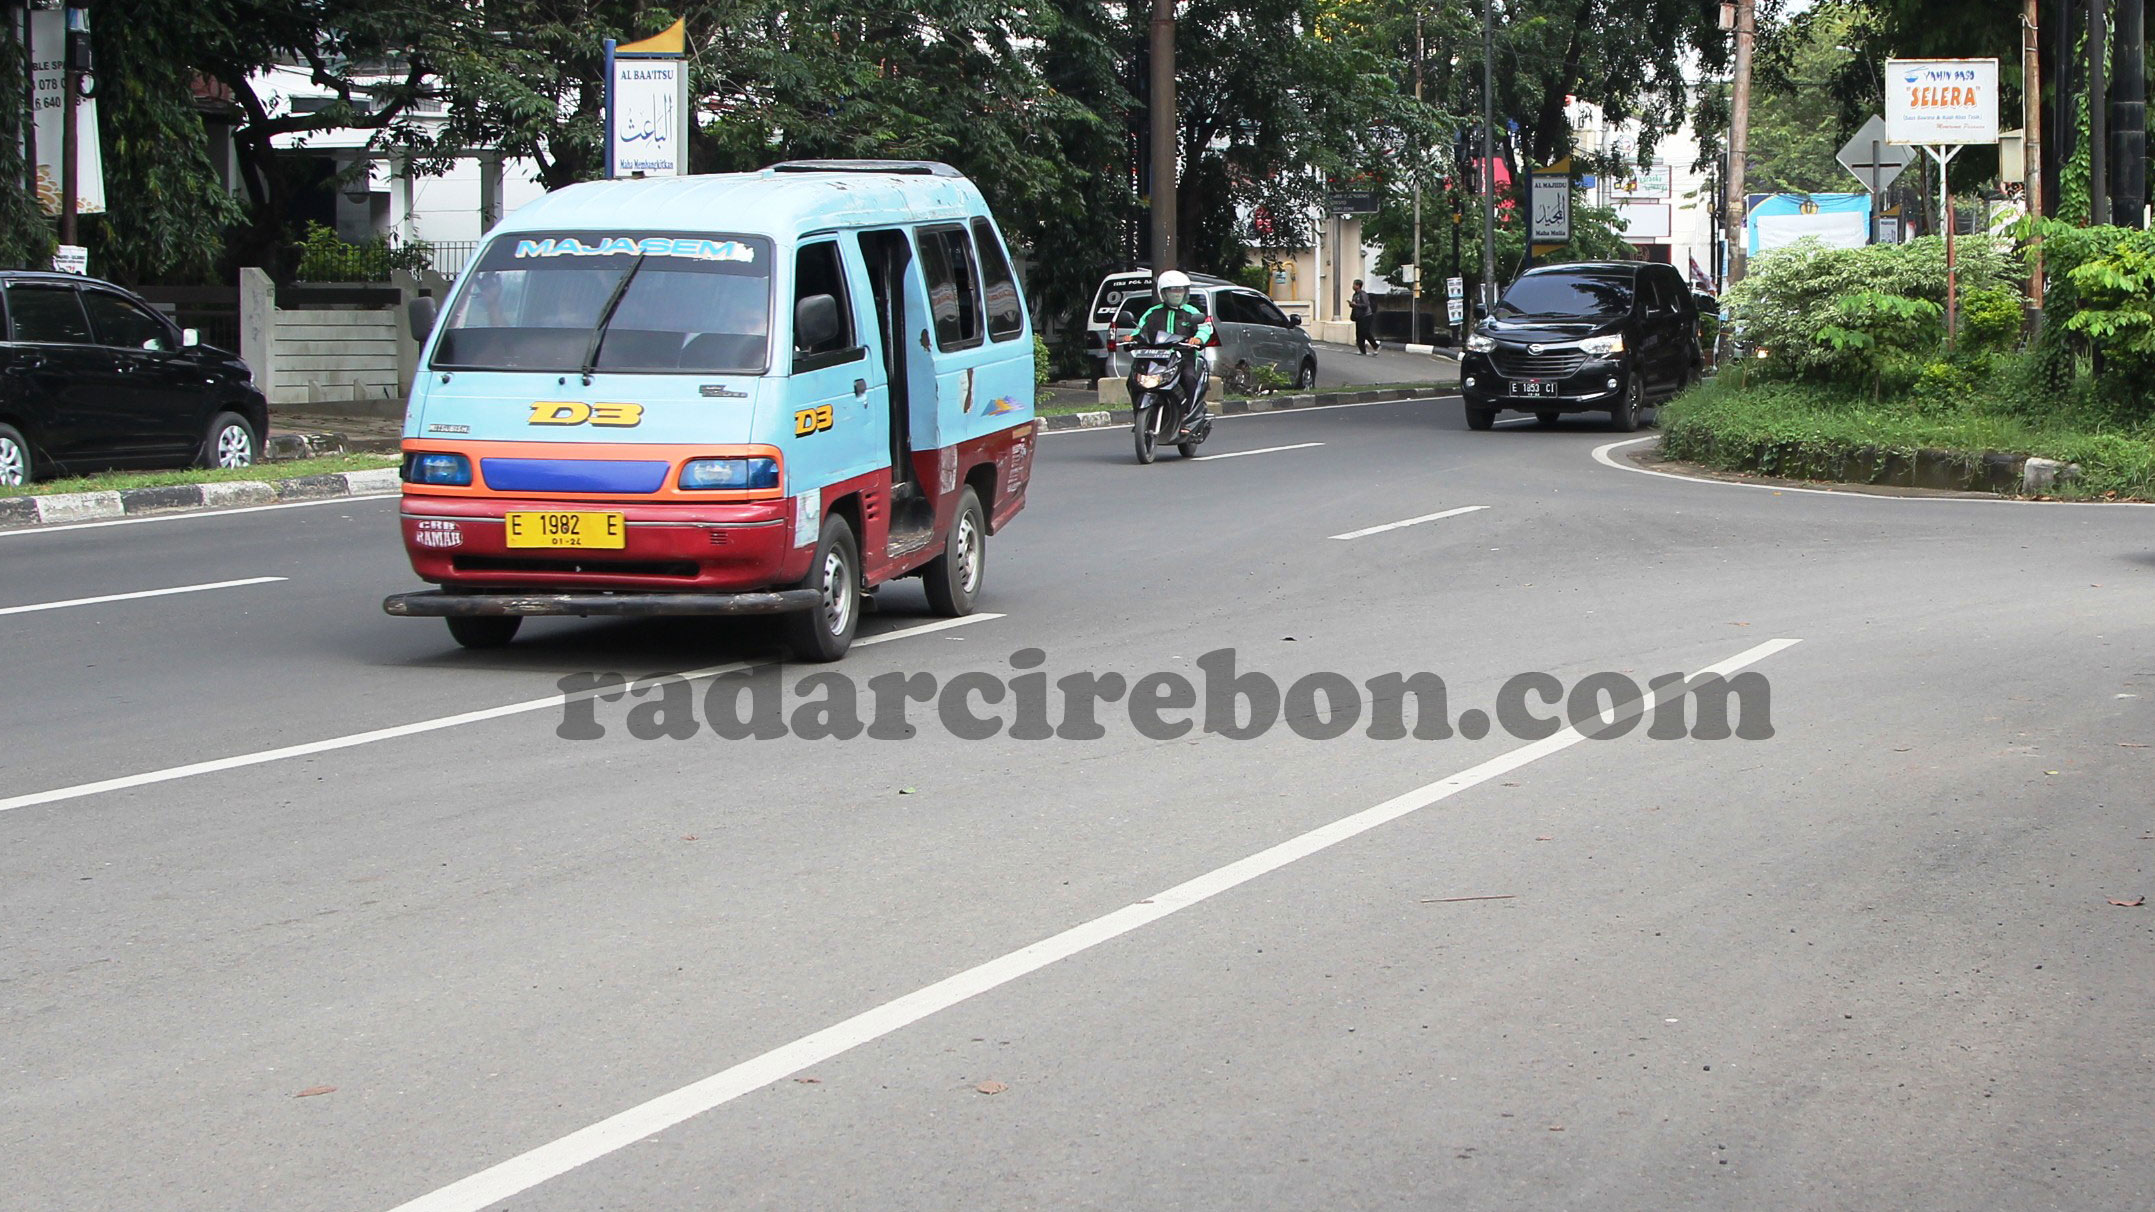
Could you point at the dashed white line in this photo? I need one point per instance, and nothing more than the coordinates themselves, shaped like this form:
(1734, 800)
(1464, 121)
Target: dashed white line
(353, 740)
(1427, 517)
(1237, 454)
(555, 1158)
(140, 593)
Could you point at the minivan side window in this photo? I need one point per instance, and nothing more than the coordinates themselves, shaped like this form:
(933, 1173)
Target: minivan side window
(121, 323)
(47, 314)
(818, 271)
(946, 254)
(1006, 303)
(1269, 313)
(1232, 308)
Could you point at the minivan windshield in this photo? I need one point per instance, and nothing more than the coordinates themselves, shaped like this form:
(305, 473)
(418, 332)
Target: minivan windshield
(572, 301)
(1577, 293)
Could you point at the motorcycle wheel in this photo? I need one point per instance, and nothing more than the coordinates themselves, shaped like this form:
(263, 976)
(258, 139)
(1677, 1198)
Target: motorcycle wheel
(1146, 426)
(1187, 449)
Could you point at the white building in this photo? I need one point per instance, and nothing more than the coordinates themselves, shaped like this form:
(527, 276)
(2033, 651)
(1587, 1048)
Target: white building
(1667, 206)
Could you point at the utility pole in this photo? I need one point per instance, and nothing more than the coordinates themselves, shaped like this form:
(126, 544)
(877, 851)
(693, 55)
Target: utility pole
(2098, 113)
(29, 130)
(1489, 165)
(75, 47)
(2129, 118)
(1739, 134)
(1421, 159)
(2031, 124)
(1165, 140)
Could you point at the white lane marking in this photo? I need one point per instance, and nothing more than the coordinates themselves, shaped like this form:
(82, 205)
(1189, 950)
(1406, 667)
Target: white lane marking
(1427, 517)
(353, 740)
(1601, 455)
(191, 515)
(141, 593)
(555, 1158)
(1123, 427)
(1236, 454)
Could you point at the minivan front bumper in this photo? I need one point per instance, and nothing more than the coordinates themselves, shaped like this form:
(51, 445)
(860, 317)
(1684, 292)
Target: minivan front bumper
(1593, 386)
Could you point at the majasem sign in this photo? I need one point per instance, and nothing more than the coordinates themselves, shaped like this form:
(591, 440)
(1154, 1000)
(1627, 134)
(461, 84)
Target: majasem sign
(1942, 102)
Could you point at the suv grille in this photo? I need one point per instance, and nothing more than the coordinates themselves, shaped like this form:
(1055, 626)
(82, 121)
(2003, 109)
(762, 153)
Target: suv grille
(1514, 362)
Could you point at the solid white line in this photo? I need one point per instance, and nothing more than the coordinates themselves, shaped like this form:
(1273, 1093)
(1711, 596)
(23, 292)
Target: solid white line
(191, 515)
(1236, 454)
(1123, 427)
(1427, 517)
(143, 593)
(558, 1157)
(1601, 455)
(310, 748)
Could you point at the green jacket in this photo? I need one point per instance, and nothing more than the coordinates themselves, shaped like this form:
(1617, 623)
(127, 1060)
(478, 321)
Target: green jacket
(1184, 322)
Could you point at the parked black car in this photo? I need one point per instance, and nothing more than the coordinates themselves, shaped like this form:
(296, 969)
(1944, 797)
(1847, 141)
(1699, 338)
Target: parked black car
(93, 377)
(1594, 336)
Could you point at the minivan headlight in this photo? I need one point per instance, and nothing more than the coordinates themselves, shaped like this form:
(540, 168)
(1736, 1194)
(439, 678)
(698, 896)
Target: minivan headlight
(449, 470)
(714, 474)
(1602, 347)
(1479, 343)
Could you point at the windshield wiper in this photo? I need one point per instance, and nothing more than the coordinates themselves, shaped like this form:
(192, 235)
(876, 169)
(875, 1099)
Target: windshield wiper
(606, 317)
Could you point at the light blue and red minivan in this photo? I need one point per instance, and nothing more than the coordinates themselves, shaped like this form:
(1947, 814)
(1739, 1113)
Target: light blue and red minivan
(756, 393)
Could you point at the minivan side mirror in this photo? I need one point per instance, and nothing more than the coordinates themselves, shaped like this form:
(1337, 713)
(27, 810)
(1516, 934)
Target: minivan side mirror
(1481, 310)
(190, 337)
(420, 313)
(1294, 319)
(815, 322)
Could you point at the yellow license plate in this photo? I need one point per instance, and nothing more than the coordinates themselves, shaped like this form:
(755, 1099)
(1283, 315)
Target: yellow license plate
(564, 529)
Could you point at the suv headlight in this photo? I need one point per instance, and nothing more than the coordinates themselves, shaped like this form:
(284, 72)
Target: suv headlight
(1602, 347)
(1478, 343)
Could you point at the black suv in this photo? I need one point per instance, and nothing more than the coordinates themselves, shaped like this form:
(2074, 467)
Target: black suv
(1593, 336)
(92, 377)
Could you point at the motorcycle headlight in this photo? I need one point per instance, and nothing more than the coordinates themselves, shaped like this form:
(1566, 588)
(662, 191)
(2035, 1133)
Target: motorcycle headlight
(1478, 343)
(1602, 347)
(1152, 378)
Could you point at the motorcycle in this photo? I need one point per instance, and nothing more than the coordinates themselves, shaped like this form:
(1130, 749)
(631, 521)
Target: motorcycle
(1160, 411)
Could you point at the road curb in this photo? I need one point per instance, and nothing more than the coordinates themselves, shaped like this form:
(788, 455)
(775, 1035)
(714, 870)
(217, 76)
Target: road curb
(1107, 418)
(176, 498)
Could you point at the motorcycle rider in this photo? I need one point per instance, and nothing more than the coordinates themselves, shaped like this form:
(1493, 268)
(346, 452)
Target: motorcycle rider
(1176, 320)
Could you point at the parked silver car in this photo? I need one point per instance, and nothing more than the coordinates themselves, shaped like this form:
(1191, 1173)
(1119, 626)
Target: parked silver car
(1250, 331)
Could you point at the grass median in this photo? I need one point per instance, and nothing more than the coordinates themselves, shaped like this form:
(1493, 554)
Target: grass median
(1785, 428)
(115, 481)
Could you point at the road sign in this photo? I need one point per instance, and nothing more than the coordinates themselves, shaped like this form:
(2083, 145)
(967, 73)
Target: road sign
(1552, 207)
(1942, 102)
(1875, 162)
(1455, 288)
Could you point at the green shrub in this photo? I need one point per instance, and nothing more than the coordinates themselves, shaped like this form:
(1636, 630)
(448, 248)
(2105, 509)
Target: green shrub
(1043, 364)
(1790, 296)
(324, 256)
(1990, 319)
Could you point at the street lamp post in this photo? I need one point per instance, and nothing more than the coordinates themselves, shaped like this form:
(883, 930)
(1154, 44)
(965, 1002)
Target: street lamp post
(1414, 298)
(1489, 169)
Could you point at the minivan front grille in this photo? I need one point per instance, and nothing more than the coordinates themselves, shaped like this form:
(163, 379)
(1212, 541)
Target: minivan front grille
(1515, 362)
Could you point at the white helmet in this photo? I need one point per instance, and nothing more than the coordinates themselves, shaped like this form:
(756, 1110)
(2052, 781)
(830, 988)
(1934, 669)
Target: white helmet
(1173, 280)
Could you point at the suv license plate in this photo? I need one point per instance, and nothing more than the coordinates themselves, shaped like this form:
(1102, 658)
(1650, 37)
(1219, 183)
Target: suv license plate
(1532, 387)
(550, 529)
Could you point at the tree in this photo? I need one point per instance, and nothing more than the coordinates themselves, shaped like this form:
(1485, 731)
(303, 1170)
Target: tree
(1803, 104)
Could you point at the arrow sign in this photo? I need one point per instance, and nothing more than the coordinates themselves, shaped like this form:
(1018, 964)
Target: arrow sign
(1874, 161)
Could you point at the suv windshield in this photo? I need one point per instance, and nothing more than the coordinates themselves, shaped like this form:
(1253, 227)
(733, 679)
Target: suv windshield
(1578, 293)
(667, 303)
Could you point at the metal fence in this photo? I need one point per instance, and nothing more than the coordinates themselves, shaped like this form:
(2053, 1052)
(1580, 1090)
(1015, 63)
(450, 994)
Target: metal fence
(449, 257)
(213, 310)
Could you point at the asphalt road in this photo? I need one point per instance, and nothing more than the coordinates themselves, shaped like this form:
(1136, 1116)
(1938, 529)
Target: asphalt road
(301, 907)
(1340, 366)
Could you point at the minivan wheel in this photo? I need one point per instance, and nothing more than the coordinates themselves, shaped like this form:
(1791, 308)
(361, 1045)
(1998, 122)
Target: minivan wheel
(1480, 418)
(952, 579)
(229, 443)
(824, 632)
(1307, 380)
(1545, 419)
(15, 466)
(1625, 416)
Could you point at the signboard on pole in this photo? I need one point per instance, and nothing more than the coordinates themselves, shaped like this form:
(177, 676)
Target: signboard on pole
(71, 259)
(1646, 184)
(1455, 310)
(1455, 288)
(647, 110)
(1875, 161)
(1551, 203)
(1941, 102)
(48, 33)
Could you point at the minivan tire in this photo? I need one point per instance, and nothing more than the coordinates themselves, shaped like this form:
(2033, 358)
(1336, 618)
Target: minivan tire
(953, 578)
(230, 442)
(1625, 416)
(1307, 380)
(823, 633)
(1480, 418)
(16, 466)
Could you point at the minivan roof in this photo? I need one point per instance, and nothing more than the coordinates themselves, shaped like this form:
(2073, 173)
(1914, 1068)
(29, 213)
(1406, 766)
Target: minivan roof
(1630, 267)
(782, 202)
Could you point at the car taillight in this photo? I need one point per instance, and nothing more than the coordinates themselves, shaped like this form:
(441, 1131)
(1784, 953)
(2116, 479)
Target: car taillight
(1213, 341)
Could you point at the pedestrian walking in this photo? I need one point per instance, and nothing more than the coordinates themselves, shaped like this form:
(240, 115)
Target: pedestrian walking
(1365, 319)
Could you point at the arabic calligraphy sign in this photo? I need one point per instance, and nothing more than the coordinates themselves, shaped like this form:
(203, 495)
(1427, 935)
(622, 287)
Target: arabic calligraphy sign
(646, 111)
